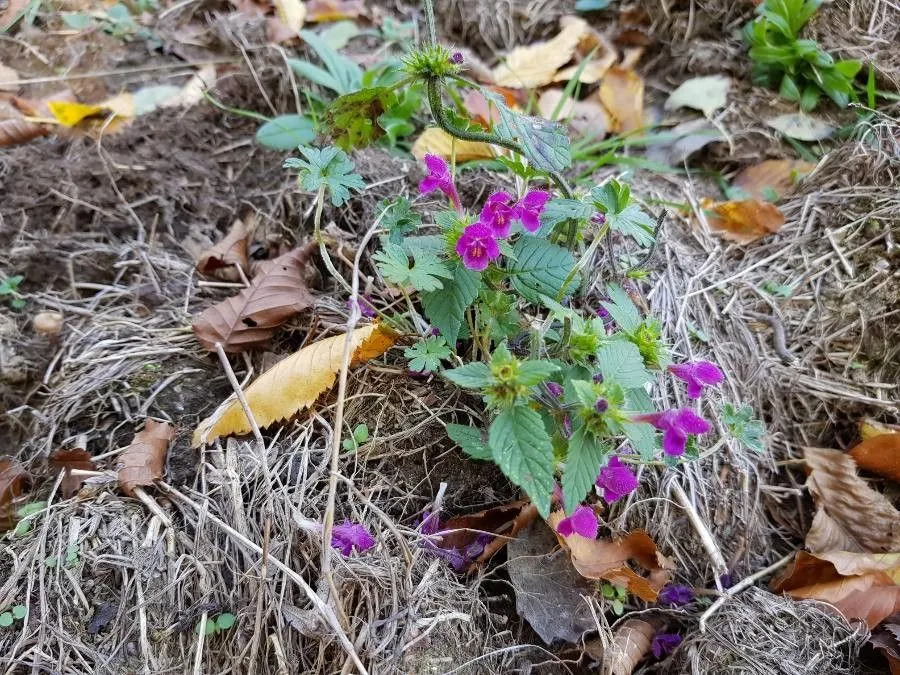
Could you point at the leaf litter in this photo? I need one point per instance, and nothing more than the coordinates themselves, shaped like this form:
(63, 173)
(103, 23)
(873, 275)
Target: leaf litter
(142, 462)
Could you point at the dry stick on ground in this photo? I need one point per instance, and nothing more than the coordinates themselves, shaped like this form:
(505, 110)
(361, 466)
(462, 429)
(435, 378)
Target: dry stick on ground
(703, 532)
(235, 385)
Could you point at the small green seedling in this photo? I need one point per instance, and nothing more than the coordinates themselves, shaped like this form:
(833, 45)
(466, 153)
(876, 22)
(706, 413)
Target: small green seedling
(743, 427)
(73, 556)
(617, 595)
(26, 515)
(17, 613)
(216, 625)
(9, 287)
(360, 436)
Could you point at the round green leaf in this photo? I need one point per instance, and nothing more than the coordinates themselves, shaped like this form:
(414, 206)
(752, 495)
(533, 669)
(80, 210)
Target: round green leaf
(19, 611)
(6, 619)
(286, 132)
(225, 621)
(209, 627)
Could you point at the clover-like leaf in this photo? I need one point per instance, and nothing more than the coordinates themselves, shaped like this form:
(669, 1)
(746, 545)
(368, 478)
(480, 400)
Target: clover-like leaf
(426, 355)
(329, 167)
(424, 274)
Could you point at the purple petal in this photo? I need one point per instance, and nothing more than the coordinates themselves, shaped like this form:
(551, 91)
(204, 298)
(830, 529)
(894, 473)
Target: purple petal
(708, 372)
(616, 480)
(348, 535)
(431, 523)
(681, 370)
(674, 442)
(694, 389)
(676, 595)
(664, 644)
(554, 389)
(535, 200)
(429, 184)
(582, 522)
(436, 165)
(690, 422)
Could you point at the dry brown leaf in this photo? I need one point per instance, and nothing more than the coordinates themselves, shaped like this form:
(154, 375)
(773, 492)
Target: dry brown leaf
(436, 141)
(508, 520)
(622, 94)
(230, 251)
(851, 516)
(143, 462)
(14, 128)
(587, 117)
(744, 221)
(631, 643)
(886, 638)
(536, 64)
(9, 78)
(66, 460)
(604, 559)
(592, 72)
(251, 317)
(13, 479)
(871, 593)
(880, 454)
(320, 11)
(482, 110)
(294, 383)
(772, 179)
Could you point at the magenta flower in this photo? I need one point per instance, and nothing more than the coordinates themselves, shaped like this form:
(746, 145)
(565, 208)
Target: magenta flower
(431, 523)
(582, 521)
(348, 536)
(676, 425)
(554, 389)
(616, 480)
(676, 595)
(498, 213)
(664, 644)
(366, 308)
(530, 207)
(697, 375)
(439, 178)
(477, 247)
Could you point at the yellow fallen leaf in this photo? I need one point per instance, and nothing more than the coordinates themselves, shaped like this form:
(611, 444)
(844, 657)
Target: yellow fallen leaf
(536, 65)
(70, 113)
(436, 141)
(294, 383)
(743, 221)
(592, 73)
(292, 13)
(622, 94)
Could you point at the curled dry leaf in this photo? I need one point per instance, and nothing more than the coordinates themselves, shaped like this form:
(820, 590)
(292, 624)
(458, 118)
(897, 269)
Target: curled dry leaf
(744, 221)
(507, 520)
(601, 61)
(631, 643)
(294, 383)
(851, 516)
(66, 460)
(886, 638)
(537, 64)
(436, 141)
(13, 479)
(604, 559)
(622, 94)
(251, 317)
(231, 250)
(587, 117)
(683, 141)
(772, 179)
(143, 462)
(879, 454)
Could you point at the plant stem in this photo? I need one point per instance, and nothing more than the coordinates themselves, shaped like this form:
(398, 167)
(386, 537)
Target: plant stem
(323, 250)
(429, 20)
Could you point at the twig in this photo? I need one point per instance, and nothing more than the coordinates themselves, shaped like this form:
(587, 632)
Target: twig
(232, 380)
(740, 586)
(706, 538)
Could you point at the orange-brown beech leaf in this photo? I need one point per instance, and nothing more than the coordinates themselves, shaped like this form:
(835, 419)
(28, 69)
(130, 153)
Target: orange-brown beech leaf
(143, 462)
(66, 460)
(622, 94)
(772, 179)
(507, 520)
(851, 516)
(879, 454)
(294, 383)
(320, 11)
(13, 479)
(250, 318)
(604, 559)
(231, 250)
(861, 585)
(744, 221)
(631, 643)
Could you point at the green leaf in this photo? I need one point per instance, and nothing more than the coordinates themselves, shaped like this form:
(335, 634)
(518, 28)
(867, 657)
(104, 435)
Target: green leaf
(540, 268)
(544, 143)
(320, 76)
(559, 211)
(19, 612)
(287, 132)
(618, 607)
(361, 433)
(809, 100)
(352, 119)
(532, 373)
(583, 461)
(642, 437)
(426, 354)
(446, 309)
(6, 619)
(591, 5)
(475, 375)
(621, 363)
(337, 35)
(329, 167)
(225, 621)
(77, 20)
(521, 448)
(470, 440)
(622, 309)
(789, 89)
(423, 274)
(208, 627)
(344, 74)
(426, 244)
(399, 219)
(634, 222)
(743, 427)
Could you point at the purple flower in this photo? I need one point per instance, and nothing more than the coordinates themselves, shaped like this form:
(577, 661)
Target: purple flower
(664, 644)
(567, 427)
(366, 308)
(477, 247)
(676, 425)
(439, 178)
(348, 535)
(616, 480)
(498, 213)
(601, 406)
(597, 378)
(463, 556)
(697, 375)
(457, 58)
(598, 218)
(530, 207)
(431, 523)
(676, 595)
(554, 389)
(582, 521)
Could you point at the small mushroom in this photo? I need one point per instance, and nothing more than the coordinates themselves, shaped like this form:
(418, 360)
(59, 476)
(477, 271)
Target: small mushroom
(48, 324)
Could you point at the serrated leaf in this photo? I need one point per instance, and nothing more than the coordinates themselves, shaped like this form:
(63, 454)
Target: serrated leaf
(521, 448)
(541, 268)
(622, 309)
(426, 355)
(446, 309)
(330, 167)
(399, 219)
(642, 437)
(424, 274)
(583, 460)
(532, 373)
(352, 118)
(544, 143)
(558, 211)
(621, 363)
(634, 222)
(470, 376)
(287, 132)
(470, 440)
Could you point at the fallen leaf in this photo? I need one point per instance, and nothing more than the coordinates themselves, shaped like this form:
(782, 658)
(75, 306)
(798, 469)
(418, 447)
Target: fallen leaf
(482, 110)
(801, 126)
(880, 455)
(850, 515)
(66, 460)
(548, 589)
(869, 428)
(587, 117)
(436, 141)
(70, 113)
(291, 13)
(594, 70)
(744, 221)
(294, 383)
(622, 93)
(250, 318)
(682, 141)
(867, 589)
(604, 559)
(631, 643)
(14, 128)
(320, 11)
(537, 64)
(230, 251)
(507, 520)
(706, 94)
(143, 462)
(886, 638)
(13, 479)
(9, 78)
(772, 179)
(630, 57)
